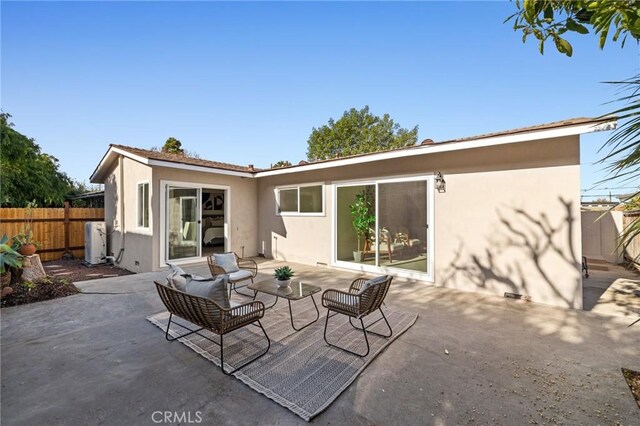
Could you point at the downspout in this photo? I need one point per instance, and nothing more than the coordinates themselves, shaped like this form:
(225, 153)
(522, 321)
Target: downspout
(118, 259)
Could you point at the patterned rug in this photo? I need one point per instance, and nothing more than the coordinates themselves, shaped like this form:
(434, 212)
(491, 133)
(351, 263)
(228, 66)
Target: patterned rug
(300, 371)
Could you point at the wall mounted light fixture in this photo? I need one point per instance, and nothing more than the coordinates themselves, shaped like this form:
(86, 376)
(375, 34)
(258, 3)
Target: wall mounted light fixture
(441, 184)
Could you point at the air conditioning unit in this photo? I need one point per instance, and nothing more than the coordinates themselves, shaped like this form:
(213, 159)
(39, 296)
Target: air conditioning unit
(95, 243)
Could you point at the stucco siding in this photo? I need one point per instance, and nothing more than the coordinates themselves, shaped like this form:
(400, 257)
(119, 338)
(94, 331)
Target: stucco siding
(513, 231)
(243, 222)
(121, 216)
(303, 239)
(508, 222)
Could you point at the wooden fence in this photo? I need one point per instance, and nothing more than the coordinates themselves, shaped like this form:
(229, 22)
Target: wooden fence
(58, 230)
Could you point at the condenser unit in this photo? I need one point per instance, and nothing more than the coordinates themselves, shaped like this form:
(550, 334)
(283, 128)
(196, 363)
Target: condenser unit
(95, 243)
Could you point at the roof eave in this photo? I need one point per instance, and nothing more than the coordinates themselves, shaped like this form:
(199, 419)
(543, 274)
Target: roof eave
(570, 130)
(204, 169)
(112, 153)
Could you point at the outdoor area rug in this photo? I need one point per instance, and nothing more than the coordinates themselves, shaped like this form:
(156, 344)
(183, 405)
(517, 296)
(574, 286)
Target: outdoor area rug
(300, 371)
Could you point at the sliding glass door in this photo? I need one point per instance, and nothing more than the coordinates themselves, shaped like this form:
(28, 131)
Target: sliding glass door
(355, 223)
(183, 222)
(402, 225)
(384, 224)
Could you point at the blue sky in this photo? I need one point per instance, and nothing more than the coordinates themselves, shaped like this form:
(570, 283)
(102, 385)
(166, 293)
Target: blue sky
(245, 83)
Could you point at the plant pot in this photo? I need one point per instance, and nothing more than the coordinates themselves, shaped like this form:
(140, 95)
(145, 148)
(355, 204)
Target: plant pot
(27, 249)
(285, 290)
(283, 283)
(357, 256)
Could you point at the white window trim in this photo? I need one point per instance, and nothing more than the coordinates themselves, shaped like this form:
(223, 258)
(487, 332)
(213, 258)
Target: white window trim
(422, 276)
(277, 190)
(146, 230)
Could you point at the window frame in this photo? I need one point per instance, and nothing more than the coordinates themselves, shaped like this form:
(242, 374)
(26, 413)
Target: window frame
(429, 276)
(297, 188)
(139, 213)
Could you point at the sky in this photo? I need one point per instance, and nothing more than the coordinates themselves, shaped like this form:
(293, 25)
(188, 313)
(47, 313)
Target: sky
(245, 83)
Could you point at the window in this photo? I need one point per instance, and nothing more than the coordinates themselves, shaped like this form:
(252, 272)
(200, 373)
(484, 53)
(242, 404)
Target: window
(302, 200)
(143, 205)
(288, 200)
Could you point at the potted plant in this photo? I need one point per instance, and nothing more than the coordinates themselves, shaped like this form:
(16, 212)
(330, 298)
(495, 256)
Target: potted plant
(23, 242)
(362, 221)
(283, 275)
(9, 258)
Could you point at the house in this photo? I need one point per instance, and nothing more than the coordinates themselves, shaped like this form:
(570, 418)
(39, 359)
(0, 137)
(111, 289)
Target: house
(492, 213)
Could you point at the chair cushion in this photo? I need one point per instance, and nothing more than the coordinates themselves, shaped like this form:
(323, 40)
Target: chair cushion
(227, 261)
(373, 281)
(240, 275)
(177, 278)
(212, 288)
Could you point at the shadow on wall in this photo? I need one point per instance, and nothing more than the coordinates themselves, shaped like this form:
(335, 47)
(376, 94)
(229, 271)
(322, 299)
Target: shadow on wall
(523, 257)
(278, 232)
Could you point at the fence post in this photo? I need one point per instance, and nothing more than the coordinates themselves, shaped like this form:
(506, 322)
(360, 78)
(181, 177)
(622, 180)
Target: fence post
(67, 251)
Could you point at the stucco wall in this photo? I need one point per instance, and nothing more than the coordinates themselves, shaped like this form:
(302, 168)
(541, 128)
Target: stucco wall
(243, 222)
(303, 239)
(142, 247)
(509, 221)
(121, 215)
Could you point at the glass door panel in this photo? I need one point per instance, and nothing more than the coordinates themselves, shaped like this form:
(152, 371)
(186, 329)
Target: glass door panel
(183, 223)
(355, 205)
(402, 225)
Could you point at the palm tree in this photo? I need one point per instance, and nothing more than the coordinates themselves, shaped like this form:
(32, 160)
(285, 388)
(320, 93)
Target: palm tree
(623, 146)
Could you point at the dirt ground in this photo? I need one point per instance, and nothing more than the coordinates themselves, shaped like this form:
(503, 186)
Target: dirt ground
(633, 379)
(75, 271)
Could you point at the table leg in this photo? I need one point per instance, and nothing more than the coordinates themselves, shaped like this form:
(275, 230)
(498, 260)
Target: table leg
(308, 324)
(273, 304)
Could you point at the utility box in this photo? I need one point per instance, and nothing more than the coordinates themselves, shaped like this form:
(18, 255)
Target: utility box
(95, 243)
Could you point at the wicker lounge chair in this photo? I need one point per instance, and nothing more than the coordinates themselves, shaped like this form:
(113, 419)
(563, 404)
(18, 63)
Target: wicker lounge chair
(209, 315)
(356, 304)
(248, 271)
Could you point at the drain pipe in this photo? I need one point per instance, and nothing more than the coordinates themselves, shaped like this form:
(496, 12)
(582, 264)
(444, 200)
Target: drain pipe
(120, 207)
(123, 216)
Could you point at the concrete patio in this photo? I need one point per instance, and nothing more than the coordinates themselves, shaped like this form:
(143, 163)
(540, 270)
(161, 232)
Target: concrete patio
(94, 359)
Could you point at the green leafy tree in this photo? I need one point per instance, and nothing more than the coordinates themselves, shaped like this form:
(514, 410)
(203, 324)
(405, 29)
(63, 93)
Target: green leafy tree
(358, 132)
(26, 173)
(173, 146)
(281, 163)
(551, 19)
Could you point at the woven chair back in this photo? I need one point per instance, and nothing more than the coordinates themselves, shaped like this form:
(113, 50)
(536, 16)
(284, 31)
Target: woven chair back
(197, 310)
(373, 296)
